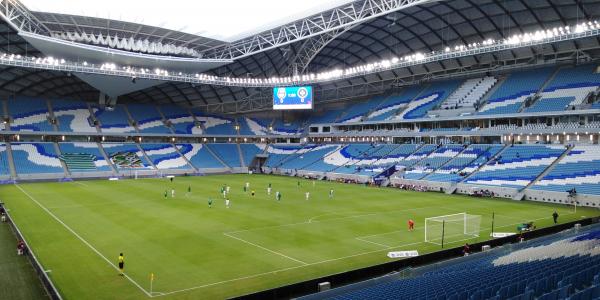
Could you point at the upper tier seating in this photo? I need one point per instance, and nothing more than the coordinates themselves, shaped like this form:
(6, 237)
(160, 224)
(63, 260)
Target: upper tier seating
(555, 267)
(329, 116)
(580, 170)
(469, 93)
(31, 158)
(570, 86)
(517, 87)
(29, 114)
(126, 156)
(148, 118)
(249, 151)
(464, 163)
(433, 95)
(355, 112)
(216, 125)
(115, 120)
(390, 105)
(254, 126)
(4, 164)
(72, 116)
(199, 156)
(165, 156)
(228, 153)
(281, 127)
(517, 166)
(100, 164)
(181, 120)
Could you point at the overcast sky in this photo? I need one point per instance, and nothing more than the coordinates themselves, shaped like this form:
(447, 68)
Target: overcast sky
(221, 19)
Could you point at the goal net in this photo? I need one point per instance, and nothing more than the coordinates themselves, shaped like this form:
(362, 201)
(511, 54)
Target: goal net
(451, 228)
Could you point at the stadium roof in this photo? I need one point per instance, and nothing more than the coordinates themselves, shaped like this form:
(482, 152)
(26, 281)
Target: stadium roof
(225, 20)
(426, 27)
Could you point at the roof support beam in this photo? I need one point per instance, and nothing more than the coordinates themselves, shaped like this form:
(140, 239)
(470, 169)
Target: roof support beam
(340, 17)
(20, 18)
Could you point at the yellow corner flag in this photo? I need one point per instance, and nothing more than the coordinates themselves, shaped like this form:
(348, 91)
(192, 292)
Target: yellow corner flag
(151, 276)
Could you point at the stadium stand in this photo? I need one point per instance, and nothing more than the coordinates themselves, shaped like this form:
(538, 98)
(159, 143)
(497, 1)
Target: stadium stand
(435, 160)
(126, 156)
(517, 166)
(519, 86)
(579, 170)
(433, 95)
(228, 153)
(557, 267)
(29, 114)
(181, 120)
(254, 126)
(148, 118)
(165, 156)
(279, 153)
(216, 125)
(569, 87)
(281, 127)
(464, 163)
(390, 105)
(469, 93)
(72, 116)
(418, 155)
(113, 120)
(310, 155)
(329, 116)
(33, 158)
(199, 156)
(357, 111)
(82, 157)
(249, 151)
(4, 164)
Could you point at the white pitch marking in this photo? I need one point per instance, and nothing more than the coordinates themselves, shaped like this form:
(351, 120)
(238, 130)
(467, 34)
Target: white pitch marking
(81, 239)
(266, 249)
(374, 243)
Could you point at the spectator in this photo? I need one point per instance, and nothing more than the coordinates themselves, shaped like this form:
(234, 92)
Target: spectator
(20, 247)
(466, 249)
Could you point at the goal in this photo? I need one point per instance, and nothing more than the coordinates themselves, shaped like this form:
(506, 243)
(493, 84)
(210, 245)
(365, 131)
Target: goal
(451, 228)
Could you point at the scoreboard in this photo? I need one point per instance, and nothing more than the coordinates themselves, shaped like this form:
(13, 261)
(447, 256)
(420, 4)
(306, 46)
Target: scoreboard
(292, 97)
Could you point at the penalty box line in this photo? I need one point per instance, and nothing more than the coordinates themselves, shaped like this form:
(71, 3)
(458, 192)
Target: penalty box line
(82, 239)
(264, 248)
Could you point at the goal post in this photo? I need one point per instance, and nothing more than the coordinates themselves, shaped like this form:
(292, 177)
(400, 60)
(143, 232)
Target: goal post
(451, 228)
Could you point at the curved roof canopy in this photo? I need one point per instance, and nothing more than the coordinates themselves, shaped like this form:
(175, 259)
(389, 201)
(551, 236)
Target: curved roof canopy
(225, 20)
(422, 28)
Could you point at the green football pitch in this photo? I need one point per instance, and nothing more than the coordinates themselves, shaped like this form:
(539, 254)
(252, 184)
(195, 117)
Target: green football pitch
(77, 229)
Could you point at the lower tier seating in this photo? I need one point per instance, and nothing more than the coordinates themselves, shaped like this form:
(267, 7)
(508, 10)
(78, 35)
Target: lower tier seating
(551, 268)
